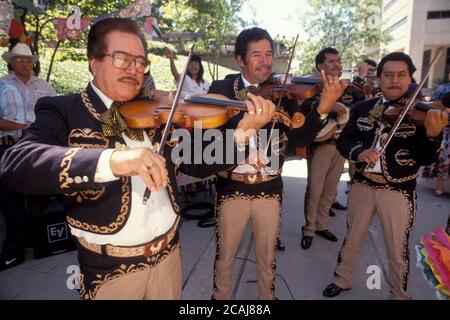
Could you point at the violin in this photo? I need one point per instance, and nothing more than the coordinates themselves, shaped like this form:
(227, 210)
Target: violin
(296, 88)
(417, 112)
(205, 111)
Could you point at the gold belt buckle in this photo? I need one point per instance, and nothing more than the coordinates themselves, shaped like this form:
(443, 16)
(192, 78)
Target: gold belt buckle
(252, 178)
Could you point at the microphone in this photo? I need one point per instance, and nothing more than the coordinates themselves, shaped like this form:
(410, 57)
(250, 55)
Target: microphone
(446, 99)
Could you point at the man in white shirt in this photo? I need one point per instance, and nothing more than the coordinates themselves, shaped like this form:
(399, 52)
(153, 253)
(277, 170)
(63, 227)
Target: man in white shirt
(21, 77)
(81, 147)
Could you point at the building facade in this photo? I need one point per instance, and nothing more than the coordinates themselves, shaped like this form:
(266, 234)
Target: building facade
(419, 28)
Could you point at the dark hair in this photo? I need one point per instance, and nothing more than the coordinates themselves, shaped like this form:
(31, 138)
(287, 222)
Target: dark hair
(370, 62)
(396, 56)
(196, 57)
(320, 57)
(96, 45)
(250, 35)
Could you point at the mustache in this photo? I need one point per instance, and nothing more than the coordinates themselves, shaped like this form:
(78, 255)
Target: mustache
(129, 78)
(394, 87)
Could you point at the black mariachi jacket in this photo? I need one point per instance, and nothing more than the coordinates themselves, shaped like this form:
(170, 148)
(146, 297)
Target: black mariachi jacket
(58, 154)
(408, 150)
(299, 137)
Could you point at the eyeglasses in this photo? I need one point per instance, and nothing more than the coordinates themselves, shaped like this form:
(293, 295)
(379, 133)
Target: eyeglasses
(122, 60)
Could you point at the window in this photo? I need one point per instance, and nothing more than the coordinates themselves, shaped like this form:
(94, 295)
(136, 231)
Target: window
(438, 15)
(389, 4)
(398, 24)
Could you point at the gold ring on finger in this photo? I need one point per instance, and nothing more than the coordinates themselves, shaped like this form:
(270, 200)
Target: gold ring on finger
(150, 165)
(259, 111)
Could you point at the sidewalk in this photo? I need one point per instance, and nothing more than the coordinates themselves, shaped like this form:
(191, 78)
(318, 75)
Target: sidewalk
(301, 274)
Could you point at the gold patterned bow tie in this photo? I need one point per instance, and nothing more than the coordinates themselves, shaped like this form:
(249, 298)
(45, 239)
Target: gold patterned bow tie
(114, 125)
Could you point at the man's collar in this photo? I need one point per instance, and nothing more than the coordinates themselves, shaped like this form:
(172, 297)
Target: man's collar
(105, 99)
(13, 75)
(247, 83)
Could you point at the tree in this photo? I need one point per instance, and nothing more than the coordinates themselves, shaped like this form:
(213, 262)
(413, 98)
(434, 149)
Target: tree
(215, 21)
(350, 26)
(42, 27)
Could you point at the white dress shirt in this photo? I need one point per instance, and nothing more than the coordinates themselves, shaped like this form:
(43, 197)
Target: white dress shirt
(246, 168)
(145, 222)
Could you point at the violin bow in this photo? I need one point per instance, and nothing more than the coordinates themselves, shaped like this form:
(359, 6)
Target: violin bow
(269, 141)
(171, 115)
(407, 108)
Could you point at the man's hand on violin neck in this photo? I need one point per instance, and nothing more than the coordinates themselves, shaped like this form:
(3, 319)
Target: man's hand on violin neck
(333, 89)
(369, 155)
(260, 111)
(142, 162)
(435, 121)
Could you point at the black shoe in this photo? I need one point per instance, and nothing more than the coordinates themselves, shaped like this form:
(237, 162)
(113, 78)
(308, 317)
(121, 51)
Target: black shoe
(331, 213)
(332, 290)
(280, 245)
(6, 263)
(306, 242)
(327, 235)
(338, 206)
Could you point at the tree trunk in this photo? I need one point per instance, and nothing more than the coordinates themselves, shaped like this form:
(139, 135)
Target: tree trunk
(52, 59)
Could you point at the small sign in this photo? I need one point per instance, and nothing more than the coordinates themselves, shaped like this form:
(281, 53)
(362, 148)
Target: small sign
(57, 232)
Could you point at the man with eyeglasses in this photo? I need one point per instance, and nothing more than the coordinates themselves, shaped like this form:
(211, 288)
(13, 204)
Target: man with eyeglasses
(80, 147)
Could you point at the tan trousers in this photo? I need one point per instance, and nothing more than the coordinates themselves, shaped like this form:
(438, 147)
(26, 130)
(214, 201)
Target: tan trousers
(162, 282)
(396, 213)
(232, 217)
(325, 167)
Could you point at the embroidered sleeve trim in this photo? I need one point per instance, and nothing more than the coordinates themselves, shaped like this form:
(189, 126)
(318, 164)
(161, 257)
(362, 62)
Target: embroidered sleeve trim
(358, 145)
(66, 162)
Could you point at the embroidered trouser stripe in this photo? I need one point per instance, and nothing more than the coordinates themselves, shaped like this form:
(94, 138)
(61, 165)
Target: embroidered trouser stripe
(161, 282)
(232, 217)
(396, 212)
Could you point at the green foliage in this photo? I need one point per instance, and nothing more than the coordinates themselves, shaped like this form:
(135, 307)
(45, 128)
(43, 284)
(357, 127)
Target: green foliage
(215, 20)
(73, 76)
(158, 48)
(347, 25)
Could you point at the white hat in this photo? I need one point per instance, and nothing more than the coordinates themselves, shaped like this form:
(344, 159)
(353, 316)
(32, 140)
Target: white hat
(20, 49)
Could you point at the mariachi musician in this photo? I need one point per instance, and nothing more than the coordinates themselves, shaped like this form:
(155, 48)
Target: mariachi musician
(81, 147)
(324, 163)
(386, 187)
(255, 191)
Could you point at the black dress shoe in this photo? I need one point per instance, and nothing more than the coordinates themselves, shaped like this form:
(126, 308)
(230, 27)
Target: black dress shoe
(280, 245)
(306, 242)
(332, 290)
(331, 213)
(327, 235)
(338, 206)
